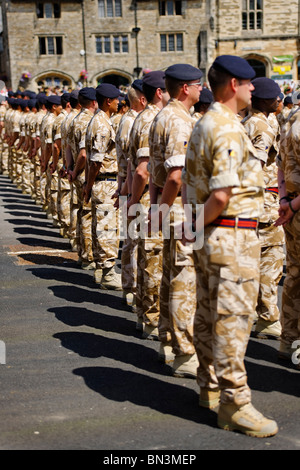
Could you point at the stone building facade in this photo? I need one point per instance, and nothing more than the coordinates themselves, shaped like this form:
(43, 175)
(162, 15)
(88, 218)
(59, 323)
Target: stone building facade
(63, 43)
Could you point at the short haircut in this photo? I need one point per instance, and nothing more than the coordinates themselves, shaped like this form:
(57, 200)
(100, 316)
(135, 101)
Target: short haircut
(217, 78)
(173, 86)
(73, 102)
(101, 99)
(133, 95)
(149, 92)
(64, 102)
(84, 102)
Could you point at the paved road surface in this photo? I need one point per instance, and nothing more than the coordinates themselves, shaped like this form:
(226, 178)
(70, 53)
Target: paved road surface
(78, 376)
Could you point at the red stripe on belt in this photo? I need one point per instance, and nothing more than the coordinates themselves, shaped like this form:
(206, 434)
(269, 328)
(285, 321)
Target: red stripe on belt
(272, 190)
(232, 222)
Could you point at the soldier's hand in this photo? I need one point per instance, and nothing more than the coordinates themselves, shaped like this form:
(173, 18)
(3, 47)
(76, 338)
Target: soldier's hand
(285, 214)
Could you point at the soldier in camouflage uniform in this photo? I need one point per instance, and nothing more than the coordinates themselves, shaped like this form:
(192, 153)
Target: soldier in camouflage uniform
(7, 132)
(65, 200)
(286, 110)
(76, 143)
(264, 139)
(26, 185)
(224, 174)
(168, 138)
(36, 147)
(137, 103)
(149, 254)
(4, 146)
(56, 157)
(54, 108)
(289, 216)
(102, 185)
(200, 108)
(29, 124)
(16, 154)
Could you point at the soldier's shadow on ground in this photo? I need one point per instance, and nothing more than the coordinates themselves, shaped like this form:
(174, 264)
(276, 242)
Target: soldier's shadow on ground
(283, 377)
(80, 316)
(76, 276)
(141, 355)
(126, 386)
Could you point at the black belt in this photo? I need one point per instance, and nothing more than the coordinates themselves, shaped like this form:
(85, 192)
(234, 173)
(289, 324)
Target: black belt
(107, 177)
(232, 222)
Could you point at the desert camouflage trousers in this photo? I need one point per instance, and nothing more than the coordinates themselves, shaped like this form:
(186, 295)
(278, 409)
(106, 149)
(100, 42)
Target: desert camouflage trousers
(105, 225)
(4, 155)
(27, 175)
(227, 269)
(44, 191)
(16, 165)
(73, 214)
(53, 191)
(149, 270)
(84, 222)
(63, 201)
(291, 286)
(128, 255)
(36, 190)
(271, 270)
(177, 290)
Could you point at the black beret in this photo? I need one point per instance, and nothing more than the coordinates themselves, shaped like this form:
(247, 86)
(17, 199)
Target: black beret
(138, 85)
(235, 66)
(42, 98)
(17, 101)
(265, 88)
(30, 93)
(184, 72)
(74, 94)
(108, 91)
(54, 99)
(32, 103)
(88, 93)
(10, 93)
(206, 96)
(23, 102)
(66, 97)
(155, 79)
(288, 100)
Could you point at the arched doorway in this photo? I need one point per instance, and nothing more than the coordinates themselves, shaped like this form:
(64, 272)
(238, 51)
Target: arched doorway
(53, 80)
(258, 66)
(115, 79)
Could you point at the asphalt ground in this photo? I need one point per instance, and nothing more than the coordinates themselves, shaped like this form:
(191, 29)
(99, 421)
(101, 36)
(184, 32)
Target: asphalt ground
(76, 374)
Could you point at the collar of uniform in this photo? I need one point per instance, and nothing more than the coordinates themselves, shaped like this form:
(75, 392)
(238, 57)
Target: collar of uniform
(258, 113)
(179, 104)
(223, 109)
(87, 111)
(103, 115)
(152, 106)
